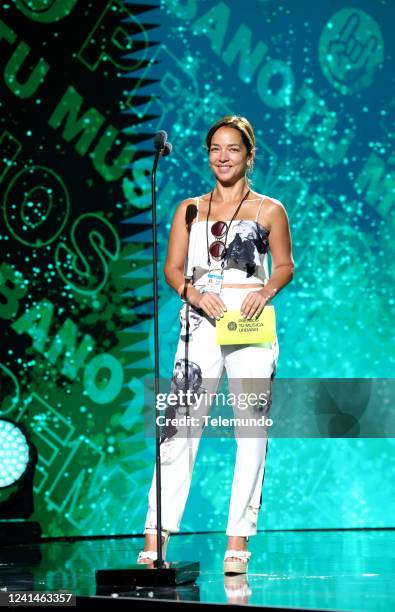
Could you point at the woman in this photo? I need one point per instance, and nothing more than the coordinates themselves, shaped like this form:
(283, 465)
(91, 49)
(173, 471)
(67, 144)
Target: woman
(227, 232)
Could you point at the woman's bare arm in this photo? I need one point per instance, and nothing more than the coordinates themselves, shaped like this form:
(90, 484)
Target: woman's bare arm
(280, 244)
(283, 265)
(177, 251)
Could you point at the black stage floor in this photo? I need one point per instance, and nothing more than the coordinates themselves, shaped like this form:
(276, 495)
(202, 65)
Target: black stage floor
(296, 570)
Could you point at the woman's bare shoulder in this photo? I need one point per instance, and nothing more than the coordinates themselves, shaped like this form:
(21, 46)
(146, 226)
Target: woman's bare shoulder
(273, 206)
(186, 211)
(271, 211)
(183, 205)
(269, 200)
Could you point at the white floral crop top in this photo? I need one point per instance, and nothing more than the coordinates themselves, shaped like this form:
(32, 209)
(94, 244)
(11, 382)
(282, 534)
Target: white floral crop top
(246, 258)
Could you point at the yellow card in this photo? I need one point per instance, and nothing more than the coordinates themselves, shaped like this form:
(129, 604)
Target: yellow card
(233, 329)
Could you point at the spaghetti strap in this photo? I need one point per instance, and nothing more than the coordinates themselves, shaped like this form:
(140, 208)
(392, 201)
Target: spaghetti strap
(197, 206)
(259, 209)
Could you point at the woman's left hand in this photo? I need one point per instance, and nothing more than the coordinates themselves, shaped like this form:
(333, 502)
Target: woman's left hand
(253, 304)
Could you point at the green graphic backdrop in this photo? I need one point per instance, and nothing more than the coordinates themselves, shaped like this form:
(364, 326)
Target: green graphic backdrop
(84, 87)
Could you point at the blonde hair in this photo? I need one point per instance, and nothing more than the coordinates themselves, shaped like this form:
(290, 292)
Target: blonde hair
(247, 133)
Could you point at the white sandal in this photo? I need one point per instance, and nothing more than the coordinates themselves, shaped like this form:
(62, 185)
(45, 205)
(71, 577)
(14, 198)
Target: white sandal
(237, 567)
(152, 555)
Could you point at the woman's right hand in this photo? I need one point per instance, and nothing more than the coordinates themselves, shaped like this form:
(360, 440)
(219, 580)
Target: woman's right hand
(209, 302)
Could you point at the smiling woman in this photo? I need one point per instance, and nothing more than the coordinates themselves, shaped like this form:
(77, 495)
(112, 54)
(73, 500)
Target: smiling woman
(226, 146)
(217, 260)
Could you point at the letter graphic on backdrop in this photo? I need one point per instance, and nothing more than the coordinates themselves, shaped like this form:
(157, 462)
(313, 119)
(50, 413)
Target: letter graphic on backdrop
(46, 11)
(36, 206)
(85, 267)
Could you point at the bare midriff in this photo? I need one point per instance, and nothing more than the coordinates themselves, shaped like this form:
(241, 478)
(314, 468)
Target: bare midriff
(243, 286)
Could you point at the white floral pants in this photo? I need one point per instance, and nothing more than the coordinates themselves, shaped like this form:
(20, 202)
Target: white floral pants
(200, 362)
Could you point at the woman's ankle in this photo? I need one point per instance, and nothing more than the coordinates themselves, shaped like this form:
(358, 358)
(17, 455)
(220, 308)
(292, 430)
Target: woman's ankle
(150, 541)
(237, 542)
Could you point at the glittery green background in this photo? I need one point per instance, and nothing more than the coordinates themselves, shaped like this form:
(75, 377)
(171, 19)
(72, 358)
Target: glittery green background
(85, 86)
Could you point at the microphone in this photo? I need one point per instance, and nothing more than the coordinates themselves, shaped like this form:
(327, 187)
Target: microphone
(167, 149)
(160, 139)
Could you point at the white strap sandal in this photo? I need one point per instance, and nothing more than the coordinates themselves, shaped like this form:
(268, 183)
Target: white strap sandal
(236, 567)
(152, 555)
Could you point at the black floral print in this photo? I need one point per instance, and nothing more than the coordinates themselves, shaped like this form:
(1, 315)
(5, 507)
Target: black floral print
(250, 241)
(187, 375)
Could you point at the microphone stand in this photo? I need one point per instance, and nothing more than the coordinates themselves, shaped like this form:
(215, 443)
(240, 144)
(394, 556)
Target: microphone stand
(163, 573)
(159, 562)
